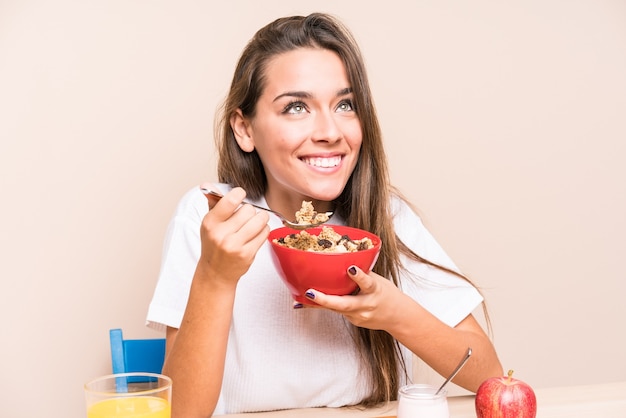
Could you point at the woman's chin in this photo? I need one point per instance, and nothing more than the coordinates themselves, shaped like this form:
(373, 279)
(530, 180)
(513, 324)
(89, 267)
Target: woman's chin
(326, 194)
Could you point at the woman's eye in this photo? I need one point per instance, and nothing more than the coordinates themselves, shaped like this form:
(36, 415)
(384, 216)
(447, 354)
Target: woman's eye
(345, 106)
(295, 108)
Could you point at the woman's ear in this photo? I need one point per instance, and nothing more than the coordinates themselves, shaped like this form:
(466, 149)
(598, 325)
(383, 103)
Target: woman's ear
(242, 130)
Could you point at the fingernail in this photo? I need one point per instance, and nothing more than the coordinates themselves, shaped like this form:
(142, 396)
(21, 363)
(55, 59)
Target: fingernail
(352, 270)
(298, 305)
(309, 294)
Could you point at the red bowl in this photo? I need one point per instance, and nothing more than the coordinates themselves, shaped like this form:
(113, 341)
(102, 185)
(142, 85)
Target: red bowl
(303, 270)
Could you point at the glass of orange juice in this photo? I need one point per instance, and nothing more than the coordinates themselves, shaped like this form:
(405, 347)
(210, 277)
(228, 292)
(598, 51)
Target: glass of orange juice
(129, 395)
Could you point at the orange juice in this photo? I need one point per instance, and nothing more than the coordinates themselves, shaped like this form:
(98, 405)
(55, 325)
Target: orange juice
(130, 407)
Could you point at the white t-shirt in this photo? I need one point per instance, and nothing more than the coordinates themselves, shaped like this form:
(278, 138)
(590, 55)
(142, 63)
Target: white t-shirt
(279, 357)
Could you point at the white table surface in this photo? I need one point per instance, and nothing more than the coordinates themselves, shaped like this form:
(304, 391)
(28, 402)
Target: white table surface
(598, 401)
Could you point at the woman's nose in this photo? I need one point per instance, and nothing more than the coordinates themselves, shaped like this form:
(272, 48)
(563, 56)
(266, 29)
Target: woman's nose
(326, 128)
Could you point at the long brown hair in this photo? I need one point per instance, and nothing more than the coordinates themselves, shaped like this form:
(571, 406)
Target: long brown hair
(365, 201)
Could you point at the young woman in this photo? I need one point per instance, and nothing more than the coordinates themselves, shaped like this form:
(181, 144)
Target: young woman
(299, 124)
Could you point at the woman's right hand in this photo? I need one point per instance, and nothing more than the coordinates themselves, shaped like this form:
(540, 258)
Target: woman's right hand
(231, 234)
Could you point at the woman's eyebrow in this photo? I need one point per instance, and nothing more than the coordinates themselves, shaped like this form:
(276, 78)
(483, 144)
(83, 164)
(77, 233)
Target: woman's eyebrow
(307, 95)
(345, 91)
(298, 94)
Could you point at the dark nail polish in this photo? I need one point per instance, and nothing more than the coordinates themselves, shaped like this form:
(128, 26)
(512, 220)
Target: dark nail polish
(352, 270)
(298, 305)
(310, 294)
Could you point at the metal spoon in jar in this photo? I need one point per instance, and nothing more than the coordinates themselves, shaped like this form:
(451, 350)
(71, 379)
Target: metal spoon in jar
(285, 221)
(458, 368)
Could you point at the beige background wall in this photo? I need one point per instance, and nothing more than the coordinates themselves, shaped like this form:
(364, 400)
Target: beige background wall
(504, 121)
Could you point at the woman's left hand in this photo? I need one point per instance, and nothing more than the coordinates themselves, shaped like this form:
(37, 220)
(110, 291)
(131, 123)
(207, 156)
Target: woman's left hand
(380, 305)
(374, 306)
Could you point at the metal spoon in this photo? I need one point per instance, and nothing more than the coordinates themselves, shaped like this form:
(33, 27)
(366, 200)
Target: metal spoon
(285, 221)
(458, 368)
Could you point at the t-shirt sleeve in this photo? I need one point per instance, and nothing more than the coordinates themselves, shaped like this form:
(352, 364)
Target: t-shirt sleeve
(181, 251)
(446, 295)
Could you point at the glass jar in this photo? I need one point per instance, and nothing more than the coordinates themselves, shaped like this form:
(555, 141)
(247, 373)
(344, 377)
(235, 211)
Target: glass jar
(420, 401)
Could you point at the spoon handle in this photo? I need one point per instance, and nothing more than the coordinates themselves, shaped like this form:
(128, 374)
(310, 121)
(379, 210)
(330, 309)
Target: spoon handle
(219, 196)
(458, 368)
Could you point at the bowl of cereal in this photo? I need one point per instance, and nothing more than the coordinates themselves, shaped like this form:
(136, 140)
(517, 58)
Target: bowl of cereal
(318, 258)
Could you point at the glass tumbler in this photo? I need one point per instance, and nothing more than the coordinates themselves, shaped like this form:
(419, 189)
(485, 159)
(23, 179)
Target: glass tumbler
(420, 401)
(129, 395)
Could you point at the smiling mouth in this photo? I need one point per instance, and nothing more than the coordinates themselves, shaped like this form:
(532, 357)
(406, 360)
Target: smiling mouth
(323, 162)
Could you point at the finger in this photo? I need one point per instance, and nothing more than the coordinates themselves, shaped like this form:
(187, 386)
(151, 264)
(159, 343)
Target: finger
(223, 208)
(205, 187)
(364, 282)
(257, 235)
(233, 199)
(245, 228)
(235, 196)
(300, 305)
(314, 296)
(332, 302)
(343, 303)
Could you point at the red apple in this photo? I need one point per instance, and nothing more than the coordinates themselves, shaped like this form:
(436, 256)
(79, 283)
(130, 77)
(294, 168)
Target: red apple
(505, 397)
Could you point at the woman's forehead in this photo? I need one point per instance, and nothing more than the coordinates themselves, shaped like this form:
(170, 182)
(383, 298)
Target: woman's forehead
(311, 70)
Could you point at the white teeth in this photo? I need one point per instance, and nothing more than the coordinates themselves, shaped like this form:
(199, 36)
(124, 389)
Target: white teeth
(323, 162)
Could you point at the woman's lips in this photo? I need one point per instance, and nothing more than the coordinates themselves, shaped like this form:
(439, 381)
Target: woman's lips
(323, 162)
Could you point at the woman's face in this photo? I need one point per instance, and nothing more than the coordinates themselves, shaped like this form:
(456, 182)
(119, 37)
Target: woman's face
(305, 130)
